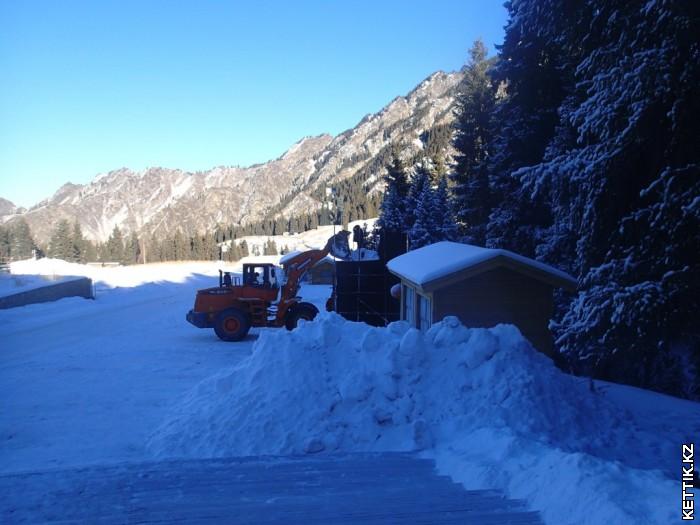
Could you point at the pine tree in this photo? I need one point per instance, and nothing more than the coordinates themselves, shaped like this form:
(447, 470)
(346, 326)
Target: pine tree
(90, 252)
(420, 180)
(594, 168)
(244, 249)
(396, 175)
(472, 140)
(181, 247)
(23, 244)
(392, 215)
(270, 248)
(636, 199)
(526, 117)
(79, 244)
(210, 247)
(61, 243)
(132, 250)
(426, 225)
(114, 248)
(154, 249)
(442, 210)
(5, 243)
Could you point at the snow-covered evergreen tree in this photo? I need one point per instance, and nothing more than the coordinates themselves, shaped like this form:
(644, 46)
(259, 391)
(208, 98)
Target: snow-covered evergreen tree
(443, 210)
(61, 243)
(473, 131)
(22, 241)
(530, 68)
(5, 243)
(432, 212)
(420, 180)
(79, 245)
(596, 170)
(425, 225)
(114, 247)
(637, 198)
(392, 215)
(132, 249)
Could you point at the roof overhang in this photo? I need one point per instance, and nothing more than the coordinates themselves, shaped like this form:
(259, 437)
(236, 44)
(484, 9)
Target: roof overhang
(499, 261)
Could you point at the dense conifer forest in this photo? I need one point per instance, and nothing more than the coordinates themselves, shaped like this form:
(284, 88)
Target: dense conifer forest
(578, 146)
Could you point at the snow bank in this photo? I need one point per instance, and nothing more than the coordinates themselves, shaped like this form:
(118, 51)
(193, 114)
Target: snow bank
(13, 284)
(490, 409)
(119, 276)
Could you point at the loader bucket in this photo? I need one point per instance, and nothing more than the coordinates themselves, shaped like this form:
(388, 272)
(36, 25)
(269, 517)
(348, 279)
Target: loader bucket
(339, 246)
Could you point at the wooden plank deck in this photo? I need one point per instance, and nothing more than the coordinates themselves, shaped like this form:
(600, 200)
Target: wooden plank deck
(354, 488)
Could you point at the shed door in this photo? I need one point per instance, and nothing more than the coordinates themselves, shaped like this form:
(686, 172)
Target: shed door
(425, 318)
(409, 313)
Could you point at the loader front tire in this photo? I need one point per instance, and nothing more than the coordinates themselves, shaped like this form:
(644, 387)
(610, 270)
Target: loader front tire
(231, 325)
(305, 311)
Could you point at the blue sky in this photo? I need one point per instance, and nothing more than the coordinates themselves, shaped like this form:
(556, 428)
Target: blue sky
(88, 87)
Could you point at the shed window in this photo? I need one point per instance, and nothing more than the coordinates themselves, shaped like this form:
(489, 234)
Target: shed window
(424, 319)
(409, 313)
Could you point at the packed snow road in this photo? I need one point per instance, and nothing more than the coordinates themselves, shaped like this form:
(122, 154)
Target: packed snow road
(354, 488)
(85, 382)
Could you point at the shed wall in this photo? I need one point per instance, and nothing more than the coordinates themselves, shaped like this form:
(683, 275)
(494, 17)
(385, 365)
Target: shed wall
(500, 296)
(322, 273)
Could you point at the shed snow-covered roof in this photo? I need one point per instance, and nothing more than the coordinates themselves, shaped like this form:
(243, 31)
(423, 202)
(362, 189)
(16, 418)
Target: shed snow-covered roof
(289, 256)
(436, 265)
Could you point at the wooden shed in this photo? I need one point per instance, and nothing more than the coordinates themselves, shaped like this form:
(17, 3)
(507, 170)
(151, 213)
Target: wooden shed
(481, 286)
(322, 271)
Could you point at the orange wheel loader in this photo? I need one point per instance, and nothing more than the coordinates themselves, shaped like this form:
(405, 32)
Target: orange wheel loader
(265, 296)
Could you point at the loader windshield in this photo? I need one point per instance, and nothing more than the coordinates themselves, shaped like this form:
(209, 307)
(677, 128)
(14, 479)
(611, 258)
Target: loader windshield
(259, 275)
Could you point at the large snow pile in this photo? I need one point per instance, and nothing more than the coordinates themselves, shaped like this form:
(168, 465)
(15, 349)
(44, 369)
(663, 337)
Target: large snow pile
(490, 409)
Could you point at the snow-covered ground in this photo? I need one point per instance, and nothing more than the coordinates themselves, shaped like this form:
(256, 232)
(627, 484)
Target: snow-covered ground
(124, 377)
(86, 382)
(493, 412)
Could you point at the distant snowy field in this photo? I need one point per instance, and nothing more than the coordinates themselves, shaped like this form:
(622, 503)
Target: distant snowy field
(315, 238)
(124, 377)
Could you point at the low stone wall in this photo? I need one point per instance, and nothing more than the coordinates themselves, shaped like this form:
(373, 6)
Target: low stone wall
(78, 287)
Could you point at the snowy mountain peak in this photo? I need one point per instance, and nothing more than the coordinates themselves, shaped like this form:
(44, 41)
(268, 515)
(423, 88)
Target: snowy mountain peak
(7, 209)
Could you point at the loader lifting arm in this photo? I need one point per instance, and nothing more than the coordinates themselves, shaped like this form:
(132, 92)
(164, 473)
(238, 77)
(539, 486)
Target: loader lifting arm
(297, 266)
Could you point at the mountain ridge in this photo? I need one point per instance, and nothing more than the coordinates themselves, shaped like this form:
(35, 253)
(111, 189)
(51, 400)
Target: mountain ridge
(158, 201)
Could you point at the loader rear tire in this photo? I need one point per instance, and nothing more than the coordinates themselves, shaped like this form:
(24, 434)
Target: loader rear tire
(232, 325)
(305, 311)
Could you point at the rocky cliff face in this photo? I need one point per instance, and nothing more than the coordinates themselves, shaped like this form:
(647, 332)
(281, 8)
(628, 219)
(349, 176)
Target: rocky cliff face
(7, 209)
(160, 201)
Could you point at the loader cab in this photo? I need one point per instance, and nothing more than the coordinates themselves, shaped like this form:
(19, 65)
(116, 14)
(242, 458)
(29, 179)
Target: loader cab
(262, 274)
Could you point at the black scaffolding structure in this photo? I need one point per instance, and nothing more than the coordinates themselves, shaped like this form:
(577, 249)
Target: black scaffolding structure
(362, 289)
